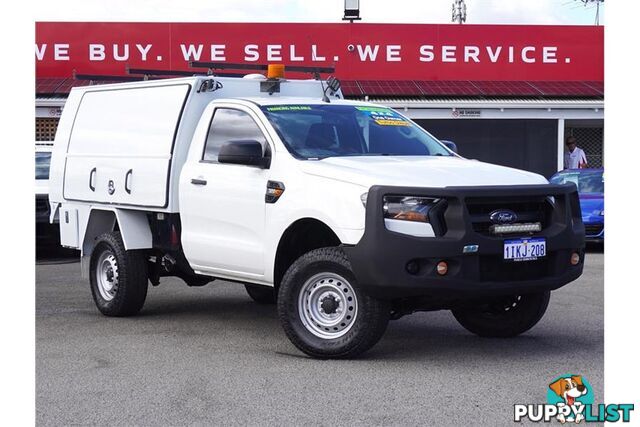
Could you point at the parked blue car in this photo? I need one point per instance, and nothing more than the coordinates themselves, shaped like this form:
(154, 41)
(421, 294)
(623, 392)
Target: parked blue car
(590, 184)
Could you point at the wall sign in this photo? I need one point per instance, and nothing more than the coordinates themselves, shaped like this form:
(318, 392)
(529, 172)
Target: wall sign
(465, 113)
(359, 51)
(48, 112)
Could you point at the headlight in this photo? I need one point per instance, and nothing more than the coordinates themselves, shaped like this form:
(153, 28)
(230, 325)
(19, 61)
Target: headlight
(602, 212)
(408, 208)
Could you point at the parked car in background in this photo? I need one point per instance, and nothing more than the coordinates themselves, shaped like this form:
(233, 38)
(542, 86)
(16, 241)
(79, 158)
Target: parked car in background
(590, 183)
(42, 161)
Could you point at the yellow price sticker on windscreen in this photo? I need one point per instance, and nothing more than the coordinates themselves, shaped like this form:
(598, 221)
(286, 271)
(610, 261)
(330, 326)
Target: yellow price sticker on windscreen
(392, 122)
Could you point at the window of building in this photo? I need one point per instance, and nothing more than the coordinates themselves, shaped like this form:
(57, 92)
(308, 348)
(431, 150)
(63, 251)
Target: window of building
(46, 128)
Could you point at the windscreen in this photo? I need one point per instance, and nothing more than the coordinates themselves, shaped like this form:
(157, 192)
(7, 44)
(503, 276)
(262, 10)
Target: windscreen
(43, 161)
(320, 131)
(587, 181)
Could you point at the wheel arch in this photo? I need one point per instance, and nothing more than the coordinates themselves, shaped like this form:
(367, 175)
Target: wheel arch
(300, 237)
(133, 226)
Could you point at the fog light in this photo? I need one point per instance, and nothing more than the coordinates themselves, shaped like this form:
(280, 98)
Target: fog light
(442, 268)
(412, 267)
(575, 258)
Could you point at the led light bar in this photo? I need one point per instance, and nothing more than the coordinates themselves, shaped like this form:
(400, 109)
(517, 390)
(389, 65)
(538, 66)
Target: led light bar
(532, 227)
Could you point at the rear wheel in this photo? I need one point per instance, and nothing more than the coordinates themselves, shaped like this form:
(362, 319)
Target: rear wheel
(119, 278)
(261, 294)
(505, 316)
(323, 310)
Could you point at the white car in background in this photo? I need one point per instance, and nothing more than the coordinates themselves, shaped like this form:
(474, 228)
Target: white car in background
(42, 163)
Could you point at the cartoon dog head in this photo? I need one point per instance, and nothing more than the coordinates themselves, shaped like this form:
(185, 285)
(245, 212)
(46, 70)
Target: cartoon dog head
(569, 388)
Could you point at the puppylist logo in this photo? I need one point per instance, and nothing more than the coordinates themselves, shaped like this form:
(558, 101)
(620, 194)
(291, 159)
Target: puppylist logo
(570, 400)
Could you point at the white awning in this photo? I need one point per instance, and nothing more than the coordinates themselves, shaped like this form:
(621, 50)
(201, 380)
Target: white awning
(506, 103)
(51, 102)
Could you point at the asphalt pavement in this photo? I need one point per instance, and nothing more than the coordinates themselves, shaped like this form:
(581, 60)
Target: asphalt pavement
(211, 356)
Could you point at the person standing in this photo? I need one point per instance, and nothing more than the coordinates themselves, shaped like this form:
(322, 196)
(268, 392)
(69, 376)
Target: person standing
(574, 156)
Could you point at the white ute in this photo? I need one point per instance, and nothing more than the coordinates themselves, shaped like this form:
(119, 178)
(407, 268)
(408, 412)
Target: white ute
(347, 214)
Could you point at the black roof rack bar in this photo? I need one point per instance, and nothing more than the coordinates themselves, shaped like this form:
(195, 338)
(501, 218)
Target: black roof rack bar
(308, 69)
(106, 77)
(259, 67)
(230, 74)
(149, 72)
(226, 66)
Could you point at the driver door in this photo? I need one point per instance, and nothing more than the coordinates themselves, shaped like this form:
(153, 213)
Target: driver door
(223, 205)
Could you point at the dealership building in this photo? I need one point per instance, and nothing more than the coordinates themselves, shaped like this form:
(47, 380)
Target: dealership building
(504, 94)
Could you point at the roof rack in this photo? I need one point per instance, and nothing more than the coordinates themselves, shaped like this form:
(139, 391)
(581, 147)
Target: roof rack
(105, 77)
(151, 72)
(139, 74)
(315, 71)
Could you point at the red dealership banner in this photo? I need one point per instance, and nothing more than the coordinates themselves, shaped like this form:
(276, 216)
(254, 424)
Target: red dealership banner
(358, 51)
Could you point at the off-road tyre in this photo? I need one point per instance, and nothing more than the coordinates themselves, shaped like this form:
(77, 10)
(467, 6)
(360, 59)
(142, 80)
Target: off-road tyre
(364, 329)
(132, 276)
(505, 316)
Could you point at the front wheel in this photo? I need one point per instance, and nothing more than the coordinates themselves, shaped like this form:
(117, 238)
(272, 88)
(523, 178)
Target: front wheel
(504, 316)
(324, 312)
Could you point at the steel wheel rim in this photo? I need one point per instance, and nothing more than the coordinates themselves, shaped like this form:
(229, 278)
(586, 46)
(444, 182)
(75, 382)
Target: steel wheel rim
(327, 305)
(107, 275)
(504, 306)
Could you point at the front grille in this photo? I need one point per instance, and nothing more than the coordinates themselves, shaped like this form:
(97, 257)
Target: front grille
(528, 210)
(495, 269)
(593, 229)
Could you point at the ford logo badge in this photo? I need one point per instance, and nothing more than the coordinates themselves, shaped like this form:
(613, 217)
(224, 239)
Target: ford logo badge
(503, 216)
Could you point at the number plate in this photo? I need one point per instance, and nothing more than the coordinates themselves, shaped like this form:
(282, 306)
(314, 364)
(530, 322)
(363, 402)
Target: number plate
(525, 249)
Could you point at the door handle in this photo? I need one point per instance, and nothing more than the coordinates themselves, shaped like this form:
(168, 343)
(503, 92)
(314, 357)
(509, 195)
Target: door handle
(197, 181)
(127, 184)
(92, 174)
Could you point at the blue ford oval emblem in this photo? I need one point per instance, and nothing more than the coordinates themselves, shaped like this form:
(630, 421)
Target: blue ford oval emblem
(503, 216)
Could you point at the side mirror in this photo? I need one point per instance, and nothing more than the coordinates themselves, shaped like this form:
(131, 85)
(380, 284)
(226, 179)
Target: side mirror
(243, 152)
(450, 145)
